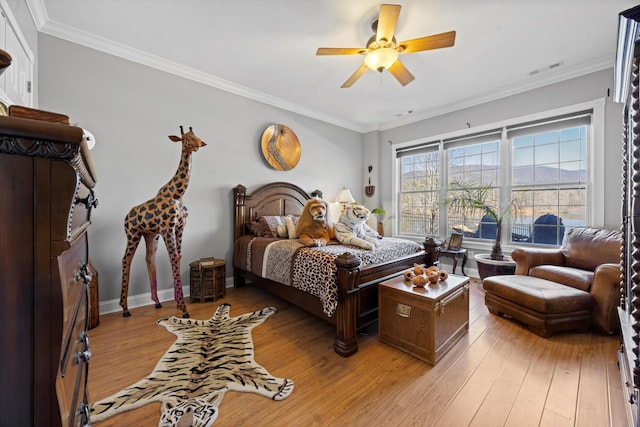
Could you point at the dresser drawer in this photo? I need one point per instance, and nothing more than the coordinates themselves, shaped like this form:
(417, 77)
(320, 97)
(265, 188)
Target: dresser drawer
(74, 279)
(75, 352)
(80, 214)
(72, 379)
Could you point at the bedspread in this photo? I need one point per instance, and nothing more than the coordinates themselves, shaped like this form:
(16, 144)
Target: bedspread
(312, 270)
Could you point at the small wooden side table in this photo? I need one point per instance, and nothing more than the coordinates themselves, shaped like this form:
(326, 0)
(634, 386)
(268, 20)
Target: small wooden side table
(454, 254)
(207, 279)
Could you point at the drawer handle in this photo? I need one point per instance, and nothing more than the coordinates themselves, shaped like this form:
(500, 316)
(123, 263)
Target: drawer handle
(450, 298)
(90, 201)
(83, 274)
(403, 310)
(84, 412)
(84, 356)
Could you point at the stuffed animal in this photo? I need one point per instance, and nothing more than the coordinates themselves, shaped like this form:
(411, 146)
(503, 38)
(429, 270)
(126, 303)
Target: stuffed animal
(314, 225)
(352, 228)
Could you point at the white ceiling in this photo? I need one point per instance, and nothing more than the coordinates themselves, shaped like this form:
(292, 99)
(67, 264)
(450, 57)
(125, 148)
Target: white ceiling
(265, 49)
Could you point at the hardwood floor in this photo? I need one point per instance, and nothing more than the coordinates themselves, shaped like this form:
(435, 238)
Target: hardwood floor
(499, 374)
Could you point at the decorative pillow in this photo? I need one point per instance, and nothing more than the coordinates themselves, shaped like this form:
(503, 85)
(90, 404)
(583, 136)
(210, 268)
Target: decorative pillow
(253, 228)
(291, 222)
(269, 225)
(282, 231)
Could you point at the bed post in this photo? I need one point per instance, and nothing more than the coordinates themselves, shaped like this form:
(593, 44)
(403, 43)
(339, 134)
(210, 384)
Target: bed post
(348, 267)
(239, 196)
(431, 246)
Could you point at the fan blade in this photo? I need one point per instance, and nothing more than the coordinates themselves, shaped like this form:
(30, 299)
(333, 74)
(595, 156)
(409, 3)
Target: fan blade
(401, 73)
(340, 51)
(355, 76)
(436, 41)
(387, 20)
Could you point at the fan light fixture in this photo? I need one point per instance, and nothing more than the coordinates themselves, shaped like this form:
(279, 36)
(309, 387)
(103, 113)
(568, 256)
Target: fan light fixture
(380, 59)
(381, 51)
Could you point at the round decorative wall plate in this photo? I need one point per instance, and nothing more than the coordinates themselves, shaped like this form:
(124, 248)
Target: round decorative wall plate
(280, 147)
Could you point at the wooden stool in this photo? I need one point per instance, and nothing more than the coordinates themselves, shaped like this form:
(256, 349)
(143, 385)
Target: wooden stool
(207, 279)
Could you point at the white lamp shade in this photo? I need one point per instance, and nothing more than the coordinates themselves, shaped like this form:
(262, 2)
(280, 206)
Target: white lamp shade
(344, 196)
(91, 140)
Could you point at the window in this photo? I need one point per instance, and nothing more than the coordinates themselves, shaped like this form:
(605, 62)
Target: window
(420, 191)
(474, 162)
(541, 166)
(549, 178)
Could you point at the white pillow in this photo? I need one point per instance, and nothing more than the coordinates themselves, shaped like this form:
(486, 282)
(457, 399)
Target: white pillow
(291, 227)
(282, 231)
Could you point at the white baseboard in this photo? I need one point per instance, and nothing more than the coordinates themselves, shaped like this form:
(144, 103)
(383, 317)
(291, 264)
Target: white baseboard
(140, 300)
(166, 295)
(470, 271)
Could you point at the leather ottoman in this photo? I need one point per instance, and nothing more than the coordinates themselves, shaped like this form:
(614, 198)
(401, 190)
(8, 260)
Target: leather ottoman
(544, 306)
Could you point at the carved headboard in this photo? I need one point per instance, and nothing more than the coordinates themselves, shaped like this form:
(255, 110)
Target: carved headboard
(276, 198)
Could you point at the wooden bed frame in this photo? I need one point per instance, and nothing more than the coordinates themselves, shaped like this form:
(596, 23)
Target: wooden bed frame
(357, 288)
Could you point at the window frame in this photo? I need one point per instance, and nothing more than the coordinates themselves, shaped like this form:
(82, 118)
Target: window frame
(425, 149)
(595, 164)
(530, 138)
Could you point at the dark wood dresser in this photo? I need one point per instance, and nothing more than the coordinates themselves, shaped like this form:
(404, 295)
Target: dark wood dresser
(627, 92)
(45, 207)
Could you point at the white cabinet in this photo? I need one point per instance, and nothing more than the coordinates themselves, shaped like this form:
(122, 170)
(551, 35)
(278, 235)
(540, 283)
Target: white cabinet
(16, 83)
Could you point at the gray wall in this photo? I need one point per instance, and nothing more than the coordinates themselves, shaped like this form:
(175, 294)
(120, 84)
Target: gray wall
(131, 109)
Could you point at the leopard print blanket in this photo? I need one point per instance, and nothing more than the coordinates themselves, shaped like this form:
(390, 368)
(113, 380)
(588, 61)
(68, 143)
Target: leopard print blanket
(313, 269)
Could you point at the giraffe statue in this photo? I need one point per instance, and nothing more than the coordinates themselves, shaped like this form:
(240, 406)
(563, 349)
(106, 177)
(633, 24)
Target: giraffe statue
(165, 215)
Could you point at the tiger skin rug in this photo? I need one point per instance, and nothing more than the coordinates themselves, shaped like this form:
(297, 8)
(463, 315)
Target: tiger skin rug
(208, 358)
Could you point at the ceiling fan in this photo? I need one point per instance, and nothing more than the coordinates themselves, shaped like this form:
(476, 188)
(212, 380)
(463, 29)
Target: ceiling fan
(382, 50)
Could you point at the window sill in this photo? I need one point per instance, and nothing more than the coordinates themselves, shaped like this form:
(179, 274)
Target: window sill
(480, 245)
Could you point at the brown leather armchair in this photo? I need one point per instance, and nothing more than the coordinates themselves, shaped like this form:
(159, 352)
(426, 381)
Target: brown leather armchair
(572, 287)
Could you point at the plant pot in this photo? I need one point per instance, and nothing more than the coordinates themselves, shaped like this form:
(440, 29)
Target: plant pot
(490, 267)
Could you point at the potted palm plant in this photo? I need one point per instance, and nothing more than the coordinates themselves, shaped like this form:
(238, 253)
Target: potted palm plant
(470, 199)
(380, 214)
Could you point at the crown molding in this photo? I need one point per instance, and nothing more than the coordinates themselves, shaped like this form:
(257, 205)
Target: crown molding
(544, 79)
(38, 12)
(56, 29)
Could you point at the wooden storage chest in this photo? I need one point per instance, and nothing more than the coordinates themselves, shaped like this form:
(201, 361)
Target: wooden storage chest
(424, 322)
